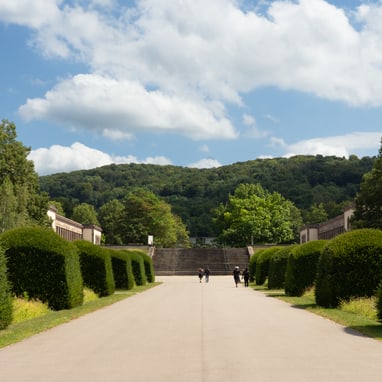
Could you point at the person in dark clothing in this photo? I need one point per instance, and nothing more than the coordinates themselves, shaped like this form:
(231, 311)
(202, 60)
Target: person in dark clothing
(236, 275)
(207, 274)
(246, 277)
(200, 274)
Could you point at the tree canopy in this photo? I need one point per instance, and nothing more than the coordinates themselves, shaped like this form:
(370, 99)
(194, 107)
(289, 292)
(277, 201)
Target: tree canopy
(254, 215)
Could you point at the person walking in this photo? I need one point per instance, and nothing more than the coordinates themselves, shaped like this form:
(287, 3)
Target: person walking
(236, 275)
(200, 274)
(246, 277)
(207, 274)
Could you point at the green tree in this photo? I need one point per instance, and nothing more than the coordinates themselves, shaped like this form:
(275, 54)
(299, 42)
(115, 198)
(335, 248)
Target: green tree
(21, 202)
(146, 214)
(316, 214)
(85, 214)
(254, 215)
(368, 202)
(111, 216)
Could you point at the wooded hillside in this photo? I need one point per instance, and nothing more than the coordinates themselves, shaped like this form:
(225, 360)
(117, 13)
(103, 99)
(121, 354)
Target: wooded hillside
(194, 193)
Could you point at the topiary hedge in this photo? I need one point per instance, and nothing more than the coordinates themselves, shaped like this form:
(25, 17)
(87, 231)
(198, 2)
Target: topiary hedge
(302, 267)
(5, 295)
(252, 264)
(350, 266)
(149, 267)
(138, 267)
(277, 267)
(262, 264)
(96, 268)
(122, 269)
(44, 265)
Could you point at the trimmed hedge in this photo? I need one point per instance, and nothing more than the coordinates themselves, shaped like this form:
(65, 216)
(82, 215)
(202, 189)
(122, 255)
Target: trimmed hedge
(252, 265)
(262, 264)
(149, 267)
(96, 268)
(379, 302)
(302, 267)
(277, 267)
(350, 266)
(122, 269)
(44, 265)
(138, 267)
(5, 295)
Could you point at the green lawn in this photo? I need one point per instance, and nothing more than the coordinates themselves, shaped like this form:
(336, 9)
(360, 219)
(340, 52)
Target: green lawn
(359, 314)
(46, 319)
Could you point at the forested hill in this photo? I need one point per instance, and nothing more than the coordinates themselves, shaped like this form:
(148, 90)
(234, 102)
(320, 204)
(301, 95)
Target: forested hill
(194, 193)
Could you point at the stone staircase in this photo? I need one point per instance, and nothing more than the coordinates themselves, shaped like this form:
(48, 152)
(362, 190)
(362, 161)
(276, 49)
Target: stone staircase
(186, 261)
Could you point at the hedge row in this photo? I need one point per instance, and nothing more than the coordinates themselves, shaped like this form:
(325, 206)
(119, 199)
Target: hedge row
(45, 266)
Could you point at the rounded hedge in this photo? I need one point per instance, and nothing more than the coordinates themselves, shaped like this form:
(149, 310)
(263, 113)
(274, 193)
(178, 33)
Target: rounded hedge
(252, 264)
(5, 295)
(350, 266)
(122, 269)
(302, 267)
(277, 267)
(138, 267)
(262, 264)
(149, 267)
(44, 265)
(96, 268)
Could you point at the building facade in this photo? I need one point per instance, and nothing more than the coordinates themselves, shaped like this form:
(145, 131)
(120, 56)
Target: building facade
(72, 230)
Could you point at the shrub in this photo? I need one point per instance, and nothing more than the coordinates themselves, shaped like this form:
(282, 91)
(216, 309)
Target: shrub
(96, 267)
(122, 269)
(43, 265)
(252, 265)
(350, 266)
(277, 267)
(262, 264)
(5, 295)
(302, 267)
(149, 267)
(379, 302)
(138, 267)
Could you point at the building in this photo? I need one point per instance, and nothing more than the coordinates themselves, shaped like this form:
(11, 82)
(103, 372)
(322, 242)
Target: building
(329, 229)
(72, 230)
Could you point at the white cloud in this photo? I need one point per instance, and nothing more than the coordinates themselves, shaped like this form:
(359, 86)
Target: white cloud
(205, 163)
(340, 146)
(80, 157)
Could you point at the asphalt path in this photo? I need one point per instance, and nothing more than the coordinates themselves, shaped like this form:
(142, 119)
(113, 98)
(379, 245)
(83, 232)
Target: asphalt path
(183, 330)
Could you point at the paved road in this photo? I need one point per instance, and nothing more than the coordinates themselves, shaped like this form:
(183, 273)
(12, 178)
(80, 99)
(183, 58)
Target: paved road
(185, 331)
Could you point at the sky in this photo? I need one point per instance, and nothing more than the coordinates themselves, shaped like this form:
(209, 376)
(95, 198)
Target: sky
(191, 83)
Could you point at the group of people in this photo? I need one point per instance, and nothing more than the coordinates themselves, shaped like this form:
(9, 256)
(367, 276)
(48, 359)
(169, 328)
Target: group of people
(236, 275)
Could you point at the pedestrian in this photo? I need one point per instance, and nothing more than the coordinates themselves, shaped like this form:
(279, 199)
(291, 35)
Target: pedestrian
(200, 274)
(207, 274)
(236, 275)
(246, 277)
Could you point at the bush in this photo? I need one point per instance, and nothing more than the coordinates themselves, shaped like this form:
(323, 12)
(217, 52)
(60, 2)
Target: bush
(350, 266)
(277, 267)
(43, 265)
(96, 268)
(379, 302)
(122, 269)
(138, 267)
(5, 295)
(149, 267)
(262, 264)
(252, 264)
(302, 267)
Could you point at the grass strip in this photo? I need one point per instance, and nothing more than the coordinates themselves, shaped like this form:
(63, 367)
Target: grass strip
(352, 321)
(19, 331)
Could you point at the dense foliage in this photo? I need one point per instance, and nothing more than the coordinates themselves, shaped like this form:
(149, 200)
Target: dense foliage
(195, 193)
(138, 267)
(277, 267)
(368, 209)
(302, 267)
(5, 295)
(21, 202)
(96, 268)
(262, 264)
(43, 265)
(350, 266)
(122, 269)
(254, 215)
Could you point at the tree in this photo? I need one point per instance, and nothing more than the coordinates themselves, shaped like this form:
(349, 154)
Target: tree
(111, 217)
(85, 214)
(21, 202)
(368, 202)
(254, 215)
(316, 214)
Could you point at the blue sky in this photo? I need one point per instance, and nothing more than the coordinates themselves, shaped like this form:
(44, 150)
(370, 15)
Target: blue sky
(189, 82)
